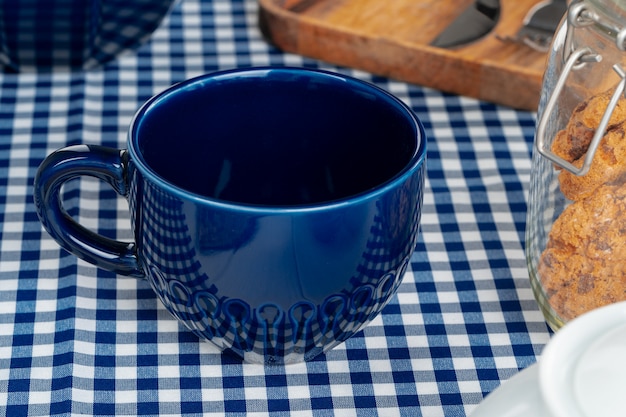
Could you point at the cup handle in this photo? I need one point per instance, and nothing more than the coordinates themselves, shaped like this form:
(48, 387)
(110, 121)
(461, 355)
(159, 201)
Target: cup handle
(107, 164)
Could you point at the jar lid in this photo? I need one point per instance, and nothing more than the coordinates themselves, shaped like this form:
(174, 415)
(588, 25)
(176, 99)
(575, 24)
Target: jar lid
(582, 371)
(616, 8)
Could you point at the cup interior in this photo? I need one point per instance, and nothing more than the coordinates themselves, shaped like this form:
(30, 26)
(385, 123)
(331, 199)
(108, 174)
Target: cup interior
(278, 137)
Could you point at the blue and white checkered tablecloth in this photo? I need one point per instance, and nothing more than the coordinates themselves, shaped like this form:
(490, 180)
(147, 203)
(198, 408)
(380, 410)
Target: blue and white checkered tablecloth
(76, 340)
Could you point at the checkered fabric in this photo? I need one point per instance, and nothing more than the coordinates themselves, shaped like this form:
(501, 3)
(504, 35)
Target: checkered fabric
(76, 340)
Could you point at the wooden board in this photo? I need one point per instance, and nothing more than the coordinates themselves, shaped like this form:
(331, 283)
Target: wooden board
(392, 37)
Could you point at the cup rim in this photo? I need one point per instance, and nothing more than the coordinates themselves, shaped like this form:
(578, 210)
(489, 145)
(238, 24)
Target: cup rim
(417, 159)
(562, 355)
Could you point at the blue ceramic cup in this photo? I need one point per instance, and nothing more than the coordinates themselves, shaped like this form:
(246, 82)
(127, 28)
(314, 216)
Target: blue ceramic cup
(51, 35)
(274, 210)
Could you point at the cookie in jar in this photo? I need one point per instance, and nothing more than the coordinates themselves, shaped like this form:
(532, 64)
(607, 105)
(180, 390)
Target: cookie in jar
(576, 222)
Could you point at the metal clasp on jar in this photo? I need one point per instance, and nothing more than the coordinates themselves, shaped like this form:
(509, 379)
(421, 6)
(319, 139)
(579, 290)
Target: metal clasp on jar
(580, 15)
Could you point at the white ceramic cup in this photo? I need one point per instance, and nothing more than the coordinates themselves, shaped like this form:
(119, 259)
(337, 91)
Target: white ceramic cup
(581, 373)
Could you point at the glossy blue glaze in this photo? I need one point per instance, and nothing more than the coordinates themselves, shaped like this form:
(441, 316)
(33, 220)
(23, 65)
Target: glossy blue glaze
(46, 35)
(274, 210)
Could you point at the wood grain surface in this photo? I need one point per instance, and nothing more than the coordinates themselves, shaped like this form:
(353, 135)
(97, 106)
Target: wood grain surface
(392, 38)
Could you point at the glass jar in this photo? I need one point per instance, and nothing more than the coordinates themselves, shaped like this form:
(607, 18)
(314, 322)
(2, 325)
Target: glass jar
(576, 225)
